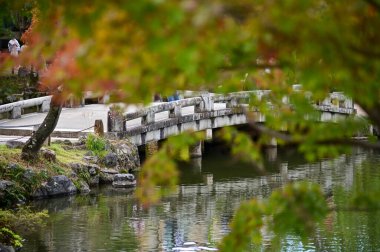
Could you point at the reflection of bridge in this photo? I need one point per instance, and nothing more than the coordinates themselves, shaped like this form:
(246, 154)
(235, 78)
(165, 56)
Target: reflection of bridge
(199, 211)
(204, 111)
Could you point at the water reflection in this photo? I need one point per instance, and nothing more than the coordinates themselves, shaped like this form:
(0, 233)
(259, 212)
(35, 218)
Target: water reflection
(202, 207)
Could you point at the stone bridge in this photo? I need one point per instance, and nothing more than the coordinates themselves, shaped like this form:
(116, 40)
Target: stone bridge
(204, 112)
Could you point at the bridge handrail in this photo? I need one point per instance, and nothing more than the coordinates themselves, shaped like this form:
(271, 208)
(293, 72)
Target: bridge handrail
(221, 98)
(167, 106)
(204, 101)
(15, 107)
(204, 107)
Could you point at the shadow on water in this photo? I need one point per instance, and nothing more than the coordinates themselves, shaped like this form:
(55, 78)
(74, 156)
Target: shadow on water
(218, 161)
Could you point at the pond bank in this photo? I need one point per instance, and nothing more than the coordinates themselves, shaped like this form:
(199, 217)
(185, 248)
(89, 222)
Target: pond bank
(200, 209)
(63, 169)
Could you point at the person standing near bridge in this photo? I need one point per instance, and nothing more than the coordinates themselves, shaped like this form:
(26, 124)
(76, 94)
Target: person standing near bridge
(14, 47)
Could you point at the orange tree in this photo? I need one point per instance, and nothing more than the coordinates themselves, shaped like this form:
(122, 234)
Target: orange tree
(155, 46)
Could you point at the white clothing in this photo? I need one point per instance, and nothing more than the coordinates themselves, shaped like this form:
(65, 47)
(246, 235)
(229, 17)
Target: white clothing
(13, 47)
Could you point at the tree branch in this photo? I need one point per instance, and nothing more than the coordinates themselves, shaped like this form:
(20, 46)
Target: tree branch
(291, 140)
(35, 142)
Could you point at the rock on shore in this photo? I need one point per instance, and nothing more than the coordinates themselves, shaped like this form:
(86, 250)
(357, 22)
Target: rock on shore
(55, 186)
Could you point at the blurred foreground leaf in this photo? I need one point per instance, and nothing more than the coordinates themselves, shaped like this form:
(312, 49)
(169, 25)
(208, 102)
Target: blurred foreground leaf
(297, 208)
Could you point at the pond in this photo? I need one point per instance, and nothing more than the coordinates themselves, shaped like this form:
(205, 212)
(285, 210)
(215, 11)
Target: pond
(197, 215)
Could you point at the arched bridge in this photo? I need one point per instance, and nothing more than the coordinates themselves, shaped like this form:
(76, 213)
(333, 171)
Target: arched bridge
(205, 111)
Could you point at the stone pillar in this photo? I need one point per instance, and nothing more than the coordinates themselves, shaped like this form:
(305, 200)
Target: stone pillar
(115, 121)
(272, 142)
(196, 150)
(45, 106)
(271, 154)
(176, 111)
(232, 103)
(16, 112)
(207, 103)
(98, 128)
(208, 135)
(148, 118)
(82, 101)
(197, 164)
(151, 148)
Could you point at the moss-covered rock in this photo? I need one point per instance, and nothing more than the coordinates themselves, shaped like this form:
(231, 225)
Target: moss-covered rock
(55, 186)
(122, 155)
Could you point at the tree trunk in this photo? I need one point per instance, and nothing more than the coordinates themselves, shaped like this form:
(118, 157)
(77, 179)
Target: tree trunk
(35, 142)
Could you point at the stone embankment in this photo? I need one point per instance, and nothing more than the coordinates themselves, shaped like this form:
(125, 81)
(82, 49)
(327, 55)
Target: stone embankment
(112, 166)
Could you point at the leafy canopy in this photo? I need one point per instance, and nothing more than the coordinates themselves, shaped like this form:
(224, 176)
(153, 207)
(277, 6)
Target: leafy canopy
(133, 49)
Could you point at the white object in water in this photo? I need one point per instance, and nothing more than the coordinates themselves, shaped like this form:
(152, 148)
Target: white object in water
(186, 249)
(207, 248)
(189, 243)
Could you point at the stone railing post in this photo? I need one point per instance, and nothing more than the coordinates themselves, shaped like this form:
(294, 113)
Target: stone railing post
(16, 112)
(231, 103)
(327, 101)
(98, 128)
(207, 103)
(148, 118)
(115, 121)
(45, 106)
(348, 103)
(176, 111)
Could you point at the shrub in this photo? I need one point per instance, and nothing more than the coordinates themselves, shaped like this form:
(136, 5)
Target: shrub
(22, 221)
(9, 238)
(96, 144)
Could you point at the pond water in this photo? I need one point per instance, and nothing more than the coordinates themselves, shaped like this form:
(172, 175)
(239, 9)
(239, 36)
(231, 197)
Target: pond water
(197, 215)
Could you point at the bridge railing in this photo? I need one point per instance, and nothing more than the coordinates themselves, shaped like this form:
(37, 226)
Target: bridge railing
(238, 98)
(16, 108)
(205, 102)
(147, 115)
(337, 100)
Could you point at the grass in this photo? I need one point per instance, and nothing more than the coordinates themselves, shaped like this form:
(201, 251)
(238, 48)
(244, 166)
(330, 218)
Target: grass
(64, 157)
(26, 182)
(67, 156)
